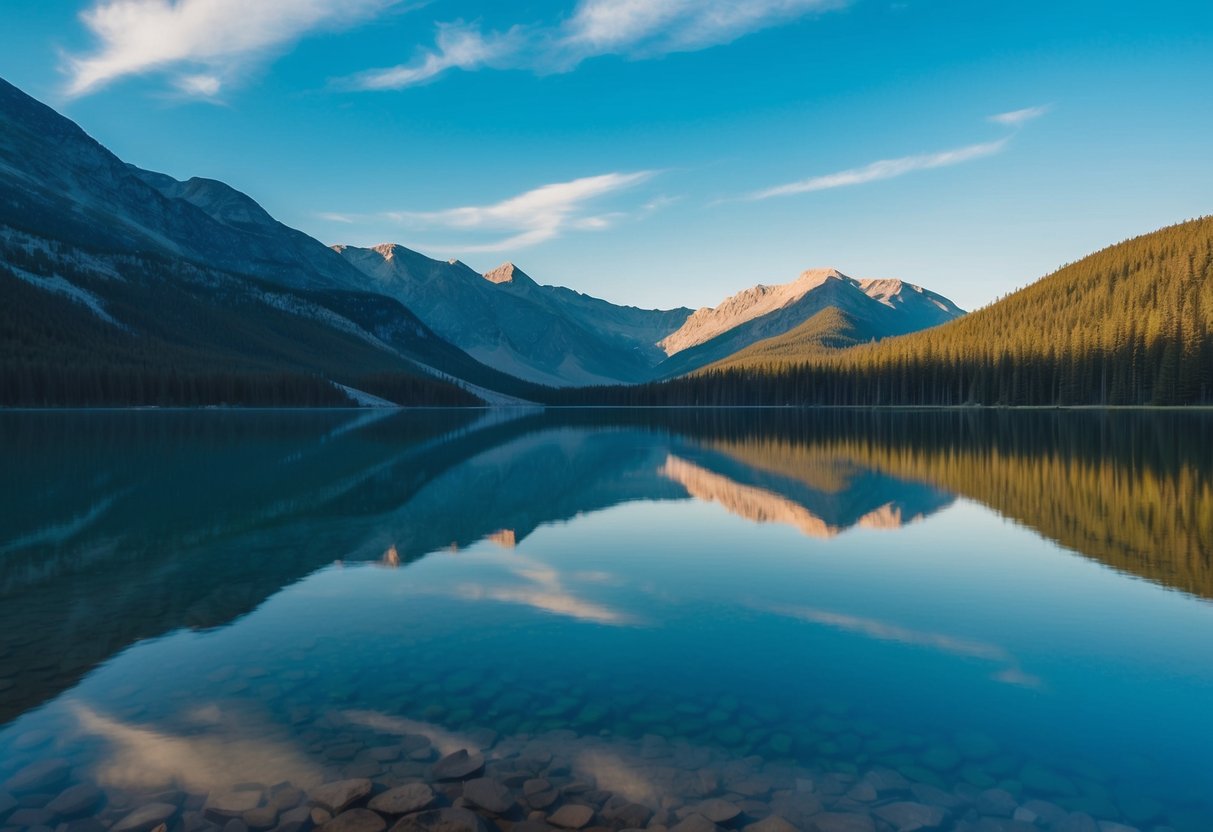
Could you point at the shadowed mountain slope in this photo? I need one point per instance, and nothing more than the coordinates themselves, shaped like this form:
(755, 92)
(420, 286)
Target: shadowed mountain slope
(546, 334)
(129, 287)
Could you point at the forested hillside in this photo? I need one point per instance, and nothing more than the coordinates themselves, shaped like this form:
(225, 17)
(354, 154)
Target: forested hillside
(1129, 325)
(169, 334)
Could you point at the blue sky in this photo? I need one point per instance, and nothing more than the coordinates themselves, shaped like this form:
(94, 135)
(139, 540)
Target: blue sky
(661, 152)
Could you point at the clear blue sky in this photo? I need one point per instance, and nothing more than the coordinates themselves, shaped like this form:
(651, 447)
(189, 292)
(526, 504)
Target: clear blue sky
(661, 152)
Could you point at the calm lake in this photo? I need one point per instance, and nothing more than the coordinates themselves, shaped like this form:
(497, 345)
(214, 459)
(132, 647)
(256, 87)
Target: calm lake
(845, 621)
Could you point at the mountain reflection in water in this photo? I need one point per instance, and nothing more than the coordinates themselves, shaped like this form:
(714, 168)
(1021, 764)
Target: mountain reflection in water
(120, 528)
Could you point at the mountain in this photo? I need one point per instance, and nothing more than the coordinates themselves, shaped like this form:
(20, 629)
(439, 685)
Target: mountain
(874, 309)
(129, 286)
(124, 286)
(545, 334)
(1129, 325)
(554, 335)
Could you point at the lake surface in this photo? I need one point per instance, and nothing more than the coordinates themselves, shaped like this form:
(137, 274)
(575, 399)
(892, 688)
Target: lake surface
(847, 621)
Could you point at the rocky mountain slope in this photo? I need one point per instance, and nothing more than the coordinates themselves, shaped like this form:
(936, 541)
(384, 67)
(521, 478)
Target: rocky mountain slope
(545, 334)
(123, 286)
(865, 309)
(556, 336)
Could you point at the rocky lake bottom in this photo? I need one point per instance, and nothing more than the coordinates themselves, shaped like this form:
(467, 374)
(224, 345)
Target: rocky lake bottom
(347, 624)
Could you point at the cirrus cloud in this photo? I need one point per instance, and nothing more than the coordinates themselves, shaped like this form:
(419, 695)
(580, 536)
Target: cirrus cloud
(203, 44)
(883, 169)
(901, 165)
(632, 28)
(1018, 118)
(532, 217)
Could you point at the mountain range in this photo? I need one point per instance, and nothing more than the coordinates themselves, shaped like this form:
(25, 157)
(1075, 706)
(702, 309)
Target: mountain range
(556, 336)
(127, 286)
(1131, 325)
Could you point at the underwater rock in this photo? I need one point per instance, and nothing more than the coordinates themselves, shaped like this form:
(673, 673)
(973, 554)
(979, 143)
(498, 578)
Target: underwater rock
(340, 794)
(571, 816)
(356, 820)
(488, 794)
(146, 818)
(403, 800)
(458, 765)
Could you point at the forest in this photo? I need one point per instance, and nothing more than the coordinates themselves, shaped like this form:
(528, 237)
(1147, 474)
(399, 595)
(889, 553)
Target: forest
(180, 337)
(1129, 325)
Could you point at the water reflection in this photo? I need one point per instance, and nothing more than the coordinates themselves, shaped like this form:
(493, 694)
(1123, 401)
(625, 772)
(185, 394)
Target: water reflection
(649, 602)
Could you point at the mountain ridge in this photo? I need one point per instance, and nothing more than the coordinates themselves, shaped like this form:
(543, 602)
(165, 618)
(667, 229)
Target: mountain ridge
(557, 336)
(1129, 325)
(131, 287)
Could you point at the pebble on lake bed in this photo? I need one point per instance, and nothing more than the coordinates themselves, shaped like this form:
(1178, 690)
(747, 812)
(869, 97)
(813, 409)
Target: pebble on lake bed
(571, 816)
(458, 765)
(356, 820)
(442, 820)
(403, 800)
(337, 795)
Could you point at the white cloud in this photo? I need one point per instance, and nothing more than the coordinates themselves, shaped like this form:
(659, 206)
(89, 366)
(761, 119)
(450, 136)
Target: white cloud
(1017, 118)
(457, 47)
(531, 217)
(890, 168)
(200, 86)
(884, 169)
(661, 26)
(219, 37)
(634, 28)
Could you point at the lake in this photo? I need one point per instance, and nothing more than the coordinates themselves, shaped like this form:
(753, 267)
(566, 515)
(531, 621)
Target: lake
(822, 620)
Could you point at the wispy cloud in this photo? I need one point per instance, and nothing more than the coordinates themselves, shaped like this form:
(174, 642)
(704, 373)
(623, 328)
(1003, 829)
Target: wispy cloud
(900, 166)
(633, 28)
(532, 217)
(1018, 118)
(884, 169)
(457, 47)
(203, 44)
(658, 27)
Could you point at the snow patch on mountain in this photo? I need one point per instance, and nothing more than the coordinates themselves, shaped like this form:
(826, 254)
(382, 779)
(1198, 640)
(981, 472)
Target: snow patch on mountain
(61, 286)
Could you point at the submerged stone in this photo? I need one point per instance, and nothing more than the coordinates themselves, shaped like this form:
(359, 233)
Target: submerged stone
(997, 803)
(458, 765)
(75, 800)
(146, 818)
(231, 804)
(571, 816)
(451, 819)
(694, 822)
(844, 822)
(717, 810)
(488, 794)
(774, 823)
(912, 817)
(539, 793)
(404, 799)
(40, 776)
(356, 820)
(621, 811)
(340, 794)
